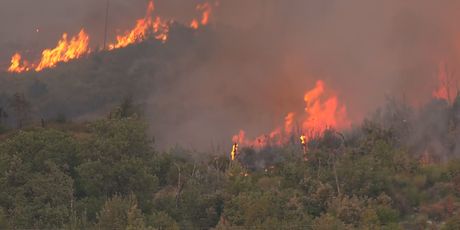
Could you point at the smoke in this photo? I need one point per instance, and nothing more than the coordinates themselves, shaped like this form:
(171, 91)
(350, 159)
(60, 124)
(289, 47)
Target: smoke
(275, 51)
(251, 66)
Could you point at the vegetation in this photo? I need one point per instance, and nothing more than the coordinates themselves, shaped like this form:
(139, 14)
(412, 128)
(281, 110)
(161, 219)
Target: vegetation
(107, 175)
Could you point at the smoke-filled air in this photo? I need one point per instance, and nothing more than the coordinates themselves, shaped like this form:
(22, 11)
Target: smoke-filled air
(336, 108)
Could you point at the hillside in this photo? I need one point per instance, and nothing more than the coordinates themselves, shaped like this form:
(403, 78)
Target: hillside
(92, 85)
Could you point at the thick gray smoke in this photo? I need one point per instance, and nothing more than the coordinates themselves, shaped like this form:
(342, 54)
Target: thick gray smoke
(250, 67)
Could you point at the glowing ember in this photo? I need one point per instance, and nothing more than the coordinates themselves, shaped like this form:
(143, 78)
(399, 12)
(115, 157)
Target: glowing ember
(64, 51)
(143, 29)
(322, 111)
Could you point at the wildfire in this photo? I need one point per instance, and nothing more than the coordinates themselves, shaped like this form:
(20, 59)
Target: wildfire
(77, 46)
(303, 139)
(145, 27)
(303, 143)
(16, 65)
(323, 114)
(234, 152)
(64, 51)
(206, 11)
(322, 111)
(445, 83)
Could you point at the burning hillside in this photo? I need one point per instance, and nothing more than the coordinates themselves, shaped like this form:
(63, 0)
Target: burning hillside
(248, 76)
(78, 46)
(65, 50)
(145, 27)
(229, 114)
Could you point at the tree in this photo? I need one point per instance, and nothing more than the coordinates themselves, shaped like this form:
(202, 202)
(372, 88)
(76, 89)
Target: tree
(161, 220)
(121, 213)
(43, 201)
(36, 184)
(21, 108)
(119, 160)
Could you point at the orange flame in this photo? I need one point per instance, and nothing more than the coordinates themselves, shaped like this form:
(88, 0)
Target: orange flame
(16, 65)
(323, 114)
(445, 80)
(64, 51)
(234, 152)
(143, 29)
(319, 115)
(194, 24)
(206, 11)
(78, 46)
(303, 140)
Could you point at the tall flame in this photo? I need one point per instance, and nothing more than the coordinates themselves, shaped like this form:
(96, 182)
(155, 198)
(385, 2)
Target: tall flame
(16, 65)
(234, 152)
(64, 51)
(143, 29)
(445, 83)
(321, 112)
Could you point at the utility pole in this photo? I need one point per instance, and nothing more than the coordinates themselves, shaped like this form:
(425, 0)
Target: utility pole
(106, 23)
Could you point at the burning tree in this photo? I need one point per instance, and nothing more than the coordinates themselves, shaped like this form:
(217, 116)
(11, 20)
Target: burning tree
(234, 153)
(303, 143)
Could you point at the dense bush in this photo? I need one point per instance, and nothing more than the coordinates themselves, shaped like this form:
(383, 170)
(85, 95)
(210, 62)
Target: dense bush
(107, 175)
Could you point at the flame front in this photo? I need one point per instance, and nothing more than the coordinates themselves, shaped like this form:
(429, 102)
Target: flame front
(144, 28)
(64, 51)
(78, 46)
(321, 112)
